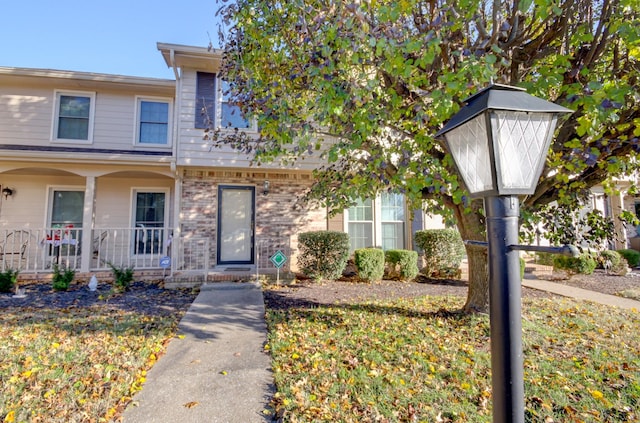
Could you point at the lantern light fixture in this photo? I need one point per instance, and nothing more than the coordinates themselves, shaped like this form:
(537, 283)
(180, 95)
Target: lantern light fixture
(7, 192)
(499, 140)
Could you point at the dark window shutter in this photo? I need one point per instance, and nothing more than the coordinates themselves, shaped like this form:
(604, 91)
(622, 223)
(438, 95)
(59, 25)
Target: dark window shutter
(205, 100)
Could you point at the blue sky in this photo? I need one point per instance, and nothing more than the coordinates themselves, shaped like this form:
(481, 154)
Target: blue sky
(108, 36)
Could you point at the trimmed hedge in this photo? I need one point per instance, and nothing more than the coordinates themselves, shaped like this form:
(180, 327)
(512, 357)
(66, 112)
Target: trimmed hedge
(612, 261)
(443, 251)
(401, 264)
(370, 263)
(584, 264)
(323, 254)
(545, 259)
(632, 257)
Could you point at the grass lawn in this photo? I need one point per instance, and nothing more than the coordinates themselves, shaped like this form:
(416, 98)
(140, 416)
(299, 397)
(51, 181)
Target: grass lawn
(408, 360)
(76, 364)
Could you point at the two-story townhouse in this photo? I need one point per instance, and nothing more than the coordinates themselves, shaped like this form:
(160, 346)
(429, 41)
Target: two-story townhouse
(98, 169)
(85, 160)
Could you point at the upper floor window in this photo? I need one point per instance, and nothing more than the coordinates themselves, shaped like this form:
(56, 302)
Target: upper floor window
(73, 119)
(231, 115)
(213, 109)
(152, 121)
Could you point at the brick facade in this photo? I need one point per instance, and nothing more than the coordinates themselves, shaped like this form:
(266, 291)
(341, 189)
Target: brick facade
(279, 217)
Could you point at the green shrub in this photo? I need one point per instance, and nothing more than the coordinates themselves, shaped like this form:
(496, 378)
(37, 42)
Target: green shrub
(584, 264)
(8, 279)
(323, 254)
(523, 264)
(545, 259)
(122, 277)
(443, 251)
(370, 263)
(613, 262)
(632, 257)
(401, 264)
(62, 278)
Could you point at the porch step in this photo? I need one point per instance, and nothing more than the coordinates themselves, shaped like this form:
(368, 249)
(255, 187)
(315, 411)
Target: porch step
(191, 280)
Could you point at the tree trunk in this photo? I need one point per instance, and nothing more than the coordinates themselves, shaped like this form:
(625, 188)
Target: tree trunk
(478, 293)
(472, 227)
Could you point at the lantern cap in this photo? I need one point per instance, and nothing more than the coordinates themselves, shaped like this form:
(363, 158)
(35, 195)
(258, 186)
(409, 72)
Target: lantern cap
(500, 97)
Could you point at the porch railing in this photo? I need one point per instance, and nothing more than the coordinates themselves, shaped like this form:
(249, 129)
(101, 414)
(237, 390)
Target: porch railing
(38, 250)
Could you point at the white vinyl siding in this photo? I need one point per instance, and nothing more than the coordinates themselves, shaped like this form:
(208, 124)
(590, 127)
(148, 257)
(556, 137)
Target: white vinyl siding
(28, 113)
(194, 150)
(73, 116)
(153, 121)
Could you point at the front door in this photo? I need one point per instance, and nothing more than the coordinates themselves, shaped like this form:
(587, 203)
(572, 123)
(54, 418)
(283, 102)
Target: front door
(235, 224)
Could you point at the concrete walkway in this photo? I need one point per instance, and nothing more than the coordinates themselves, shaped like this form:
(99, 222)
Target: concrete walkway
(580, 294)
(216, 370)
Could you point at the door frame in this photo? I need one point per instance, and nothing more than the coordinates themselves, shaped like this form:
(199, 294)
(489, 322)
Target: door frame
(252, 190)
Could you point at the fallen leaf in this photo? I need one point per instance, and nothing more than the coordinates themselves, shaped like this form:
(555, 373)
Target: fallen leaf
(191, 404)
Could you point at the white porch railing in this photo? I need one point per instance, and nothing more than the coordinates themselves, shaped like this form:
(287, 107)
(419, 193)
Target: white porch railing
(192, 255)
(37, 250)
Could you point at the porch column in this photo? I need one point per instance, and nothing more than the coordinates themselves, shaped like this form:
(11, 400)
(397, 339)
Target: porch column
(87, 224)
(176, 243)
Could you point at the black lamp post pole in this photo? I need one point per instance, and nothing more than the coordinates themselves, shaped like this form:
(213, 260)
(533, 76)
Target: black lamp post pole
(505, 294)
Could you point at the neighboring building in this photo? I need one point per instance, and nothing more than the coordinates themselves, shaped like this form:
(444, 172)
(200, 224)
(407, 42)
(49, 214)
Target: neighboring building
(98, 169)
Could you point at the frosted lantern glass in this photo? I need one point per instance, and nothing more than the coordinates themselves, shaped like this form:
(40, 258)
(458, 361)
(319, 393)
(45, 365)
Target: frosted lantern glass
(470, 149)
(521, 141)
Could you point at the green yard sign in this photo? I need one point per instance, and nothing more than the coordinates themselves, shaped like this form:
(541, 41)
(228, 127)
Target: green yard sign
(278, 259)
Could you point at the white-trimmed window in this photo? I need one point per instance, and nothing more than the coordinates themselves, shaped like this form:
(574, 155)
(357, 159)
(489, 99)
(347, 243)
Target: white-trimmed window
(153, 121)
(73, 116)
(66, 207)
(149, 213)
(377, 223)
(360, 224)
(392, 221)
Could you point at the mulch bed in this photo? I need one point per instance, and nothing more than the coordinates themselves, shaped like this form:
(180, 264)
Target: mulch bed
(144, 297)
(152, 299)
(310, 294)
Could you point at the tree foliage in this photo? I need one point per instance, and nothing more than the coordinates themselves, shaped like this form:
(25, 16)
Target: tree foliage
(365, 84)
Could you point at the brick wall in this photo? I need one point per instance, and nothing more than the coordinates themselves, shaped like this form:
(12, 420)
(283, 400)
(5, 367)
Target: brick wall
(279, 215)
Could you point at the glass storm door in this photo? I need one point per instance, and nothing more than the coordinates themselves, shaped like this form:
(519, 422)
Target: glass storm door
(235, 225)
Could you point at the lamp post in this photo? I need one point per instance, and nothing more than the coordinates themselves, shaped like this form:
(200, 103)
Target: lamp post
(499, 141)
